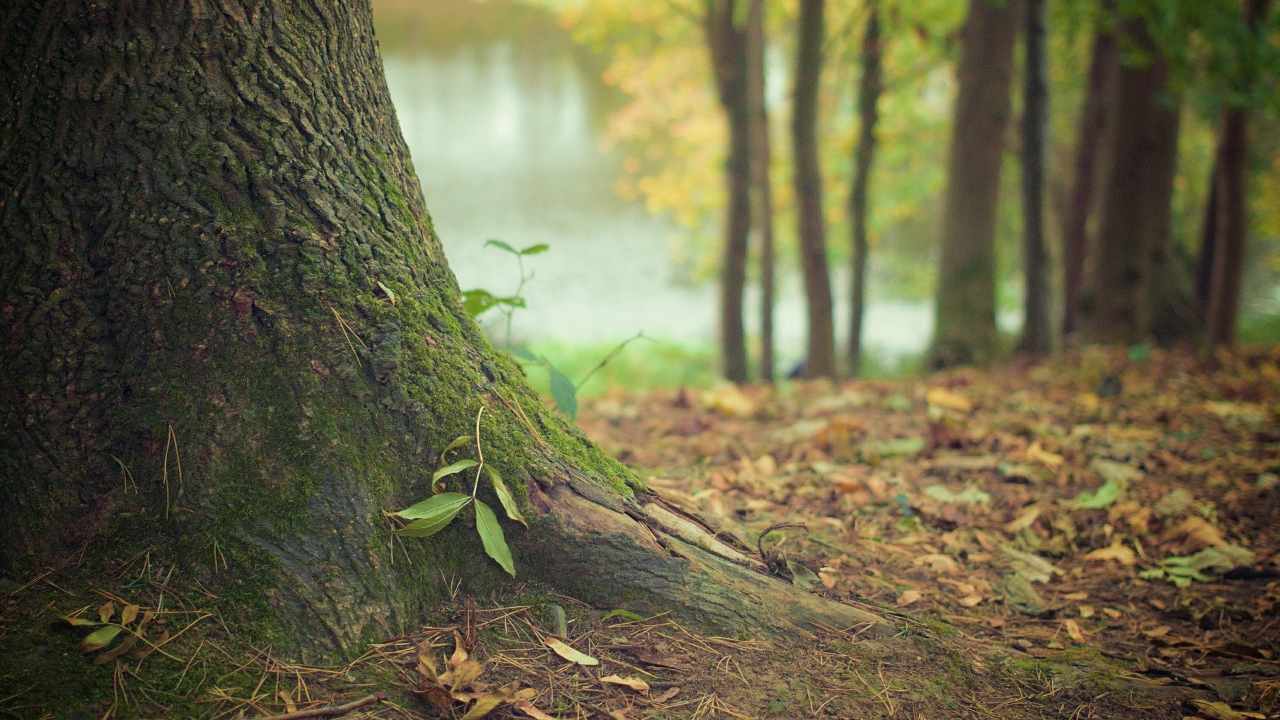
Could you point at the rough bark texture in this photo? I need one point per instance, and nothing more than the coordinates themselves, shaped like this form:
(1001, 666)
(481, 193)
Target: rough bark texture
(727, 42)
(1231, 214)
(869, 89)
(231, 340)
(1133, 243)
(965, 311)
(820, 357)
(762, 186)
(1036, 332)
(1089, 146)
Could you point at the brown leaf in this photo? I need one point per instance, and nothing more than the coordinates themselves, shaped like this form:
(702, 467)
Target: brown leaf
(482, 707)
(1073, 630)
(106, 611)
(1117, 551)
(629, 681)
(948, 400)
(129, 614)
(568, 653)
(908, 597)
(529, 710)
(1024, 520)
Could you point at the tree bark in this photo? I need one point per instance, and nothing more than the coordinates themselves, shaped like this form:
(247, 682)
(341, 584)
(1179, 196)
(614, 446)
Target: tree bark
(1208, 240)
(1089, 145)
(820, 360)
(965, 309)
(869, 89)
(1231, 219)
(762, 186)
(1036, 333)
(1133, 268)
(231, 340)
(727, 42)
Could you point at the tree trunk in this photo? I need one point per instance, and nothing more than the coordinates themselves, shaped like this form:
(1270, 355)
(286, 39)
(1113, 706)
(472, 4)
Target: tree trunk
(869, 89)
(1093, 126)
(1231, 219)
(1208, 240)
(820, 360)
(1036, 333)
(728, 45)
(965, 310)
(1133, 234)
(762, 195)
(231, 340)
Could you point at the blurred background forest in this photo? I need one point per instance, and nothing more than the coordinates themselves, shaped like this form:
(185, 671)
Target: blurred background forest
(1112, 165)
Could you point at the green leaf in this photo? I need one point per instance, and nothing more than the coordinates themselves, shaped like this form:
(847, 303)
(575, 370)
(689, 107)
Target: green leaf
(81, 622)
(535, 249)
(495, 544)
(439, 517)
(897, 447)
(99, 638)
(460, 441)
(564, 393)
(624, 614)
(1104, 496)
(435, 506)
(477, 301)
(523, 353)
(493, 242)
(505, 497)
(452, 468)
(969, 496)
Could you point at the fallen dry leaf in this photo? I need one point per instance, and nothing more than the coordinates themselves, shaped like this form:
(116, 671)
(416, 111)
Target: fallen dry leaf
(1117, 551)
(908, 597)
(569, 653)
(948, 400)
(629, 681)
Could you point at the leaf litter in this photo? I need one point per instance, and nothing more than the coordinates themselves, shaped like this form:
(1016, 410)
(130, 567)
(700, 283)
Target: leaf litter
(1023, 505)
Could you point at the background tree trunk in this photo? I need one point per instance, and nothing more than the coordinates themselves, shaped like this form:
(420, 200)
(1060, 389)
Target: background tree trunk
(1089, 147)
(965, 309)
(728, 44)
(820, 360)
(231, 340)
(1208, 240)
(762, 196)
(869, 89)
(1133, 232)
(1036, 332)
(1231, 219)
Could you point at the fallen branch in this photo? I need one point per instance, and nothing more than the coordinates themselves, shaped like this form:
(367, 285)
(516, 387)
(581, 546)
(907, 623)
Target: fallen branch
(330, 710)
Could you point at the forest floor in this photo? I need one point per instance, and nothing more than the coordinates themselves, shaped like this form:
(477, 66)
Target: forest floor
(1093, 537)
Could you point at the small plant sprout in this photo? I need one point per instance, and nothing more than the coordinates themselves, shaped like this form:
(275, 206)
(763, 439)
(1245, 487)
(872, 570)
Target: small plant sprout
(434, 514)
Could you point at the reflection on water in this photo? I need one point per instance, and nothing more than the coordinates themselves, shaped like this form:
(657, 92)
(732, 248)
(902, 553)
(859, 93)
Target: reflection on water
(504, 119)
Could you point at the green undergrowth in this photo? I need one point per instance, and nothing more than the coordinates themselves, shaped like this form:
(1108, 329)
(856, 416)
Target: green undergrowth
(649, 364)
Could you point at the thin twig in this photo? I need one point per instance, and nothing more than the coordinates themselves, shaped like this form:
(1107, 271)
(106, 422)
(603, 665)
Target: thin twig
(330, 710)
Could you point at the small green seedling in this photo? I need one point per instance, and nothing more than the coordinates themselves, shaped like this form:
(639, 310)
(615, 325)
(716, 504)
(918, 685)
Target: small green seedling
(434, 514)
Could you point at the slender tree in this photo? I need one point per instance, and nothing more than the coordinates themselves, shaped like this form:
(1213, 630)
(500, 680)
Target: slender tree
(1133, 263)
(1089, 144)
(820, 360)
(762, 188)
(232, 342)
(869, 89)
(1036, 331)
(965, 309)
(1230, 196)
(727, 41)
